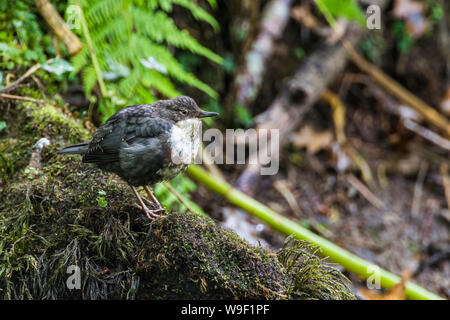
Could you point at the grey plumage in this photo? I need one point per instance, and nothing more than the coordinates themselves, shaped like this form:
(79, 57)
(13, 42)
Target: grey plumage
(135, 142)
(80, 148)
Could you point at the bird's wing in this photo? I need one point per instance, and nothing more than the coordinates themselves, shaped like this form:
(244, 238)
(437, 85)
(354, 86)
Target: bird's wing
(125, 126)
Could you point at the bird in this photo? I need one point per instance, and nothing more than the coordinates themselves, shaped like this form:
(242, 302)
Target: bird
(146, 144)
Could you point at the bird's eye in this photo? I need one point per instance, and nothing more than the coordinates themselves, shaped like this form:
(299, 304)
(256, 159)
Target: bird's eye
(183, 112)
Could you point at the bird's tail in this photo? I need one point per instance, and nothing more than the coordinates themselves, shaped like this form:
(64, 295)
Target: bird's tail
(80, 148)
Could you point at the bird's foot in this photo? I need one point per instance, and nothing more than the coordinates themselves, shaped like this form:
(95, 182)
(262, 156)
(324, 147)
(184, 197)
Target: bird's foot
(150, 213)
(151, 204)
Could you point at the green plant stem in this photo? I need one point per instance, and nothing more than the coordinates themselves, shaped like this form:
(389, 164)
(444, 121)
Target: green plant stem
(348, 260)
(94, 59)
(182, 199)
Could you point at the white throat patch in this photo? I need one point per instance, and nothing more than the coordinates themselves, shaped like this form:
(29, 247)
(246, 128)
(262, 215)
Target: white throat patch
(185, 141)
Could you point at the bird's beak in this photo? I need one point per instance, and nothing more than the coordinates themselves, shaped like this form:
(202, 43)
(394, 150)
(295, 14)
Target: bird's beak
(206, 114)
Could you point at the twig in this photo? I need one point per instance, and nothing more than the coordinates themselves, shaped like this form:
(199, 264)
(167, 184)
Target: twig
(398, 90)
(339, 122)
(365, 192)
(445, 182)
(12, 96)
(283, 188)
(408, 116)
(432, 261)
(180, 198)
(338, 114)
(16, 83)
(427, 134)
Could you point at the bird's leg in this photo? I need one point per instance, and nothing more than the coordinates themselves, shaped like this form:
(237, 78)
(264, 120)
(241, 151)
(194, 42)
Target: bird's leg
(152, 196)
(149, 213)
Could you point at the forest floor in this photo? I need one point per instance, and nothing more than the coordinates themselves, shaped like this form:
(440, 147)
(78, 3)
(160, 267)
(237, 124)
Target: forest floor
(401, 220)
(401, 224)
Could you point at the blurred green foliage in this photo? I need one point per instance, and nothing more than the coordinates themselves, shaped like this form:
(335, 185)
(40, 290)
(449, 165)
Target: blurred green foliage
(403, 40)
(347, 9)
(134, 42)
(24, 39)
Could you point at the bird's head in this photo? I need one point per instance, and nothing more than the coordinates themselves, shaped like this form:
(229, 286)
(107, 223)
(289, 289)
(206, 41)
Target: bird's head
(183, 108)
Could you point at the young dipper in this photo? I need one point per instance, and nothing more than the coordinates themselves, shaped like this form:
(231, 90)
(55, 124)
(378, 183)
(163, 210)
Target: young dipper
(145, 144)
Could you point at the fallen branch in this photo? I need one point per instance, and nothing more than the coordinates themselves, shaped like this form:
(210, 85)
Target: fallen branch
(298, 96)
(15, 97)
(428, 113)
(296, 99)
(408, 116)
(58, 26)
(348, 260)
(248, 81)
(28, 73)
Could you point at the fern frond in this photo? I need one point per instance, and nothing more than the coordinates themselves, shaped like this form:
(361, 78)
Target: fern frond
(80, 60)
(98, 12)
(89, 78)
(173, 67)
(144, 95)
(198, 12)
(159, 27)
(134, 34)
(154, 79)
(128, 85)
(114, 31)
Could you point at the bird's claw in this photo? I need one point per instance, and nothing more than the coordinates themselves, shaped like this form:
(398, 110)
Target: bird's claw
(151, 214)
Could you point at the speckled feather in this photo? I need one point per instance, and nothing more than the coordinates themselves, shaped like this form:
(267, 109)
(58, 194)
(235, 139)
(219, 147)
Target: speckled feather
(137, 142)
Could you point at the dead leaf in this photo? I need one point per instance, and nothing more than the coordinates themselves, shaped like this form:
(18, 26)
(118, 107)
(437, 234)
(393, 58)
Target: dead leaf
(314, 141)
(412, 12)
(397, 292)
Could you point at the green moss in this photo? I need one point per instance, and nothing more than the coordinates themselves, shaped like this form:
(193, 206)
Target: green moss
(224, 266)
(50, 218)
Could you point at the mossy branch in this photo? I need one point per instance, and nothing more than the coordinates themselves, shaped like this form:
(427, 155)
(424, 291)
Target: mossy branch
(348, 260)
(51, 218)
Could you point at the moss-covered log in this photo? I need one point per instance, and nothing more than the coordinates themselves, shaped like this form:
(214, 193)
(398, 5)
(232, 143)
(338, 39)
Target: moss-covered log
(56, 212)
